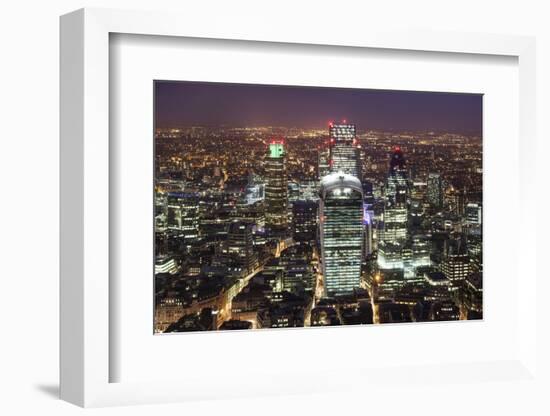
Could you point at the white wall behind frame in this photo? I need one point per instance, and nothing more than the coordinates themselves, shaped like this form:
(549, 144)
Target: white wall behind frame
(137, 60)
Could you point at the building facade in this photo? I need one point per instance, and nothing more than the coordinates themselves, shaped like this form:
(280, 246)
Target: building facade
(344, 155)
(342, 233)
(276, 187)
(239, 253)
(435, 190)
(304, 221)
(183, 214)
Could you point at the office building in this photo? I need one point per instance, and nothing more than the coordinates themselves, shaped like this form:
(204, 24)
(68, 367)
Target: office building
(276, 187)
(165, 264)
(421, 247)
(473, 213)
(393, 233)
(304, 221)
(397, 183)
(435, 190)
(255, 189)
(456, 261)
(390, 255)
(324, 162)
(182, 214)
(341, 218)
(239, 253)
(395, 225)
(344, 155)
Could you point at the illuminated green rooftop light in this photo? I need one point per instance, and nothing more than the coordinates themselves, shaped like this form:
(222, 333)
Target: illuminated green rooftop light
(276, 150)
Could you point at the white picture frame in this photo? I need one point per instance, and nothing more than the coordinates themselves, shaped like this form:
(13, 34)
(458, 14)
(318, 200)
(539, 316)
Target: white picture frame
(85, 211)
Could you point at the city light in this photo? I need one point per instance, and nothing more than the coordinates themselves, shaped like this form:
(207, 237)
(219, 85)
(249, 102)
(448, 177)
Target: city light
(341, 223)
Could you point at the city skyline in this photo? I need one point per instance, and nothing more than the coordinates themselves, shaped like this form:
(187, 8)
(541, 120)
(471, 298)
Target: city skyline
(183, 103)
(263, 227)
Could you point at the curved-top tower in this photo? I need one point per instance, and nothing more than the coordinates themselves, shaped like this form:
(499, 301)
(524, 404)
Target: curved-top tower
(341, 229)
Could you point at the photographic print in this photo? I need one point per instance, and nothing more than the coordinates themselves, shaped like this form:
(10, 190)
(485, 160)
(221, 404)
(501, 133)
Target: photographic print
(290, 206)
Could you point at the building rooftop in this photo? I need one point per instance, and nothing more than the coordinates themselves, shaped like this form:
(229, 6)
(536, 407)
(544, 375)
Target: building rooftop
(341, 180)
(436, 278)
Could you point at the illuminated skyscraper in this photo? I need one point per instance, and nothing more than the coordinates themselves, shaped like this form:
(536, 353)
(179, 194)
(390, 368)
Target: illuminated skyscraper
(457, 198)
(397, 192)
(304, 221)
(456, 262)
(276, 188)
(435, 190)
(395, 224)
(183, 214)
(421, 246)
(342, 239)
(239, 249)
(394, 231)
(397, 183)
(456, 268)
(344, 155)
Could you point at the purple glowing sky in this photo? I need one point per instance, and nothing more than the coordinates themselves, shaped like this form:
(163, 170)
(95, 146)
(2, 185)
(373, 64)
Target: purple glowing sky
(211, 104)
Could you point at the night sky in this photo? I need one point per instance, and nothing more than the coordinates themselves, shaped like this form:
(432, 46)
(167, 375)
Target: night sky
(179, 104)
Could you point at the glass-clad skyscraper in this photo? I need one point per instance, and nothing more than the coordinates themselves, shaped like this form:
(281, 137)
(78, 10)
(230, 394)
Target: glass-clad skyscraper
(397, 194)
(397, 183)
(394, 232)
(341, 226)
(344, 155)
